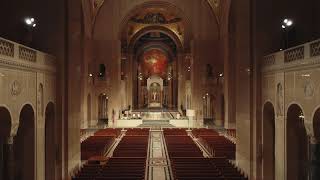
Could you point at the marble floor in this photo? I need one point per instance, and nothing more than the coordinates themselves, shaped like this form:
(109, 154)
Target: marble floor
(159, 163)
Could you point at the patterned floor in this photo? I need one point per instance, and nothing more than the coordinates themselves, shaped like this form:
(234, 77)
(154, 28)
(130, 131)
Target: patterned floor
(158, 159)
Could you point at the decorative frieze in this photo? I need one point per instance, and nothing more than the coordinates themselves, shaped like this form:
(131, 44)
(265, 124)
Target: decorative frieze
(294, 54)
(6, 48)
(27, 54)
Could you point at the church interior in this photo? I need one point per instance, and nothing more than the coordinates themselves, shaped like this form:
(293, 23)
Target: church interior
(160, 89)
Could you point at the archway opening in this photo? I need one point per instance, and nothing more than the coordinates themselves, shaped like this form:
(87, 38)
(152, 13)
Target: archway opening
(297, 144)
(50, 143)
(268, 142)
(315, 147)
(103, 109)
(208, 110)
(5, 128)
(24, 145)
(316, 125)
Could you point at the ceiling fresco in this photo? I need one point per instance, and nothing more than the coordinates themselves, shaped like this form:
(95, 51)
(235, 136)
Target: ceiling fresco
(154, 63)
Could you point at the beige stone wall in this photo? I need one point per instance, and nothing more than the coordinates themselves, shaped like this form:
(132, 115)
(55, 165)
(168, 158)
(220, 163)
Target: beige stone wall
(300, 83)
(20, 79)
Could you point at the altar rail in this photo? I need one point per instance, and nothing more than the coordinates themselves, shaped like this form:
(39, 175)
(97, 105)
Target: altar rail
(303, 55)
(14, 54)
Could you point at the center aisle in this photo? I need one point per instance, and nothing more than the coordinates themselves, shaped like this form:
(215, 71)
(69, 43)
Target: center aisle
(158, 160)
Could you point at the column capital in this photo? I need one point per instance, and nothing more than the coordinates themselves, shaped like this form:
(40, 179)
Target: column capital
(314, 140)
(10, 140)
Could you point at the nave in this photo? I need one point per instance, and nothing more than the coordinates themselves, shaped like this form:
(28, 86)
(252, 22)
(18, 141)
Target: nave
(158, 153)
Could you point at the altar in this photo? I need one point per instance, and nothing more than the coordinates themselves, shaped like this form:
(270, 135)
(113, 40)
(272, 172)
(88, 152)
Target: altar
(155, 91)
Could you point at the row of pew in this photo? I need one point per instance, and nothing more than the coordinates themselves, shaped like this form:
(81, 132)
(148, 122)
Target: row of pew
(128, 160)
(179, 144)
(218, 145)
(96, 145)
(187, 161)
(113, 168)
(200, 168)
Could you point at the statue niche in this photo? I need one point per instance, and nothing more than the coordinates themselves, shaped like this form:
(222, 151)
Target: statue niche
(155, 91)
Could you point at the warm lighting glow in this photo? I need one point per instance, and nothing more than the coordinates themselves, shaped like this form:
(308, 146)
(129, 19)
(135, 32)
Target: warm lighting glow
(90, 75)
(221, 74)
(286, 23)
(30, 22)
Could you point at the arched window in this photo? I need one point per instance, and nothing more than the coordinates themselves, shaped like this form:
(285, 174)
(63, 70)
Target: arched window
(103, 107)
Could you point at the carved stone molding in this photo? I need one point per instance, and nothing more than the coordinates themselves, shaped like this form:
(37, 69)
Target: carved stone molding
(16, 88)
(6, 48)
(308, 89)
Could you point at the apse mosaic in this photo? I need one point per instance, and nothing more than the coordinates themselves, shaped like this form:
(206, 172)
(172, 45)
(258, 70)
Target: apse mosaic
(154, 62)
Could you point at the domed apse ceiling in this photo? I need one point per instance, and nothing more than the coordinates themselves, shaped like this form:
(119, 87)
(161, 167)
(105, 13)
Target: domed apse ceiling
(154, 63)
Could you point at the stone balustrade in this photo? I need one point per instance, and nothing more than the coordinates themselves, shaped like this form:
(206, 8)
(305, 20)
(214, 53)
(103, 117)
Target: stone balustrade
(302, 55)
(14, 54)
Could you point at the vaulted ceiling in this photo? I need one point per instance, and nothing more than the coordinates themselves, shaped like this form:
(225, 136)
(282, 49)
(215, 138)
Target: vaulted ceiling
(92, 7)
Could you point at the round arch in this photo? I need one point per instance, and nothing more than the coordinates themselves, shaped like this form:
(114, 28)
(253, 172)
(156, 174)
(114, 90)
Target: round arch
(50, 141)
(25, 139)
(155, 28)
(5, 130)
(316, 124)
(159, 4)
(268, 141)
(315, 146)
(297, 144)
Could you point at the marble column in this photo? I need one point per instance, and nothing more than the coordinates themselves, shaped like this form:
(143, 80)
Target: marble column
(9, 159)
(315, 158)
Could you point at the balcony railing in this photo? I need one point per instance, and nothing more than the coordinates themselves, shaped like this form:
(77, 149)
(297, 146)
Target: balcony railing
(12, 53)
(305, 54)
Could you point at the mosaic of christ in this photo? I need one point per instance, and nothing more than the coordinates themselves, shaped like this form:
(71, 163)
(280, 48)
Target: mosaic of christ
(155, 62)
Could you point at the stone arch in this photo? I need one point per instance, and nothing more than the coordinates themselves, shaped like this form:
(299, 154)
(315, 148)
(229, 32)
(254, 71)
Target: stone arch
(160, 4)
(315, 146)
(157, 28)
(5, 131)
(103, 100)
(297, 144)
(208, 108)
(268, 141)
(316, 124)
(50, 142)
(25, 140)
